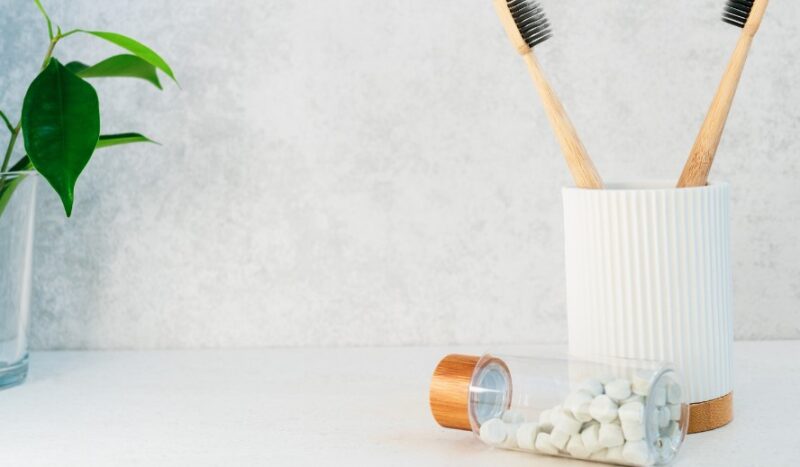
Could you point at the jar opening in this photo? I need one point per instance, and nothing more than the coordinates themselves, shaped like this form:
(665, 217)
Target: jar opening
(490, 391)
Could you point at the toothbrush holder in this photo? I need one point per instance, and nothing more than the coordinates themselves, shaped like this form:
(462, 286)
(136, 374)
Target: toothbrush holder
(648, 276)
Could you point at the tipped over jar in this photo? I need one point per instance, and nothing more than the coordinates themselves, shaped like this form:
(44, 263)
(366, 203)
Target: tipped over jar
(616, 411)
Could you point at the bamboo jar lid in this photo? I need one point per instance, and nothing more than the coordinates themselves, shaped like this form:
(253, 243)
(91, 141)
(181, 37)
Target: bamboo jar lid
(449, 394)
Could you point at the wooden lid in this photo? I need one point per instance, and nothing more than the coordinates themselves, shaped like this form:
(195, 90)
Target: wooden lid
(449, 395)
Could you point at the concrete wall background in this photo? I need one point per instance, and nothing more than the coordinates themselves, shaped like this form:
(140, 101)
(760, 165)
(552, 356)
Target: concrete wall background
(354, 172)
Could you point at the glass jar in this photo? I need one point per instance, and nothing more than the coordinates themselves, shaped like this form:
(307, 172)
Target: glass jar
(616, 411)
(17, 203)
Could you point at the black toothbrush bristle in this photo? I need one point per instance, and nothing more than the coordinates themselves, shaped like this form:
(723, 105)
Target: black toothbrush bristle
(530, 20)
(737, 11)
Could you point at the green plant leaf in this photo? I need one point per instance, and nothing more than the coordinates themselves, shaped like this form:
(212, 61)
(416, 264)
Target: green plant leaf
(76, 67)
(22, 165)
(61, 127)
(106, 141)
(140, 50)
(118, 66)
(7, 191)
(7, 187)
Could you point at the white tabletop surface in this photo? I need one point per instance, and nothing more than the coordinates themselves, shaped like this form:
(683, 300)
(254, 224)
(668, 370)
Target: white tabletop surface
(315, 407)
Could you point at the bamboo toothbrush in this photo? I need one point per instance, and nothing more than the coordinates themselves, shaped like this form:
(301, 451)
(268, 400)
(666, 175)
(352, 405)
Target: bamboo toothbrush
(527, 26)
(746, 14)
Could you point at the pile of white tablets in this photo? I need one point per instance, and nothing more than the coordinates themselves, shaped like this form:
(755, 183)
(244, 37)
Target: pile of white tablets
(602, 421)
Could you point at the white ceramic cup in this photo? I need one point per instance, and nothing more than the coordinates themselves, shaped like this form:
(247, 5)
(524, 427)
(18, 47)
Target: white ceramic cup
(649, 277)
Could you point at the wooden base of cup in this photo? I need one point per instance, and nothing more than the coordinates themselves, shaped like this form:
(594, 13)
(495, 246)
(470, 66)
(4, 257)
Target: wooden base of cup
(710, 415)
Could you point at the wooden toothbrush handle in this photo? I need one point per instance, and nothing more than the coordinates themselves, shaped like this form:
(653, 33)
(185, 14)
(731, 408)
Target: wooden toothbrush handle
(695, 172)
(580, 165)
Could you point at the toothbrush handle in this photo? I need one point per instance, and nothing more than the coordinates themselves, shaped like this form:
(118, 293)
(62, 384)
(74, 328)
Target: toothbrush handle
(695, 172)
(580, 165)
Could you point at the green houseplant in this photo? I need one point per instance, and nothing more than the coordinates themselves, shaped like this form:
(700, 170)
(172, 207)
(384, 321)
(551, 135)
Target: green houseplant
(59, 123)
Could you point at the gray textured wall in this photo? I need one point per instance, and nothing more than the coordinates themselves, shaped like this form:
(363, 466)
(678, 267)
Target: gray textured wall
(361, 172)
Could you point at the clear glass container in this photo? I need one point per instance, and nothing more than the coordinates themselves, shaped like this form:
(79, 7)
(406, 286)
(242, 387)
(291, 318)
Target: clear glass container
(17, 206)
(616, 411)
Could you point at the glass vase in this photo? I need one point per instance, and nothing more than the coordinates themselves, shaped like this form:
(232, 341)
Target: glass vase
(17, 207)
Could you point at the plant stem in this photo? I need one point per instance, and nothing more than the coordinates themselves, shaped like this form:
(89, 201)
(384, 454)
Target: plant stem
(50, 51)
(6, 121)
(10, 148)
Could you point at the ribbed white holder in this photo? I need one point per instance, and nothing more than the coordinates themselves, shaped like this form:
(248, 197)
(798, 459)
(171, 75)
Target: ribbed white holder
(649, 277)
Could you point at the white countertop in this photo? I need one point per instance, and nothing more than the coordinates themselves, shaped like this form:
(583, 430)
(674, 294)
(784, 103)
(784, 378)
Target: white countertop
(312, 407)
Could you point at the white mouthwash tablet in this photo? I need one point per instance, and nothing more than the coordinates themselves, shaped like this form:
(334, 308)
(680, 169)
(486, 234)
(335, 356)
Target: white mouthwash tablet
(511, 436)
(583, 412)
(659, 395)
(663, 417)
(610, 435)
(641, 382)
(633, 431)
(603, 409)
(493, 432)
(593, 387)
(575, 447)
(674, 412)
(559, 439)
(544, 445)
(575, 400)
(619, 389)
(526, 435)
(590, 435)
(565, 422)
(615, 455)
(632, 412)
(674, 393)
(636, 452)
